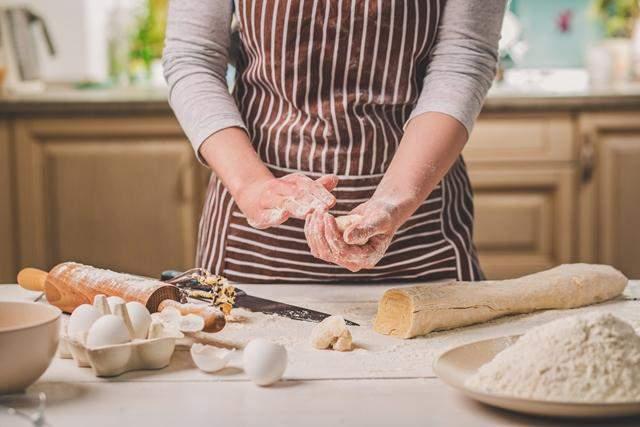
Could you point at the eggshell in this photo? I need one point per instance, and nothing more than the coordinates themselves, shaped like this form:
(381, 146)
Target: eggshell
(140, 319)
(81, 320)
(171, 316)
(264, 361)
(112, 301)
(209, 358)
(108, 330)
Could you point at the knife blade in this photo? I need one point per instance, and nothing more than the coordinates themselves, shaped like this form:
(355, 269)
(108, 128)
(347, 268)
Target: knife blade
(266, 306)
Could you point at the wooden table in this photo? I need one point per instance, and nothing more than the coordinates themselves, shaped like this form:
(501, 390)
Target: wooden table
(338, 391)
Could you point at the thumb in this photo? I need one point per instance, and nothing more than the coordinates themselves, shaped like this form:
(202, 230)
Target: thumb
(329, 182)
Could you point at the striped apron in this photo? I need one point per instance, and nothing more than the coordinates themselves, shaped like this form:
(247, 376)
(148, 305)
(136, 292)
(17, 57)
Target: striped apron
(326, 87)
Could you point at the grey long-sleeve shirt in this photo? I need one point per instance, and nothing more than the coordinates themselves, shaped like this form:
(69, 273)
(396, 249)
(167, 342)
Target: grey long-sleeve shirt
(460, 71)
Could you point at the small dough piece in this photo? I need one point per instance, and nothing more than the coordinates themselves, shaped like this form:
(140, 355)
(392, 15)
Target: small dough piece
(345, 222)
(417, 310)
(333, 333)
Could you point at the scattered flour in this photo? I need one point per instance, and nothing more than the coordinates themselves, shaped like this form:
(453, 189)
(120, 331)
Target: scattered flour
(588, 358)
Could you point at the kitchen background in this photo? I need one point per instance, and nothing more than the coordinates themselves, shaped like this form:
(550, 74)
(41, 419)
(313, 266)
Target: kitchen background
(94, 168)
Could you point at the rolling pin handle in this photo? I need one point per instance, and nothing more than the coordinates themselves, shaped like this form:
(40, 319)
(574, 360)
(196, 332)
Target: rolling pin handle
(32, 279)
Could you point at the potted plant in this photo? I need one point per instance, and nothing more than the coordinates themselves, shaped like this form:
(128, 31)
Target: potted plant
(618, 18)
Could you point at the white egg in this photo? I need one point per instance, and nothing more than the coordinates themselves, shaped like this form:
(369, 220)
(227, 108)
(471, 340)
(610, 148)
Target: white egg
(140, 319)
(264, 361)
(108, 330)
(81, 320)
(112, 301)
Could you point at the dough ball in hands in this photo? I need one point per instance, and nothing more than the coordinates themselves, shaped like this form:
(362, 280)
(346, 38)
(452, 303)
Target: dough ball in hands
(333, 333)
(346, 221)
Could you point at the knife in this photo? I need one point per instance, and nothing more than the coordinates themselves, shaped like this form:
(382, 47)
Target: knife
(263, 305)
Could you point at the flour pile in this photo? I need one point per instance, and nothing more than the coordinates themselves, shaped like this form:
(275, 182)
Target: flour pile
(589, 358)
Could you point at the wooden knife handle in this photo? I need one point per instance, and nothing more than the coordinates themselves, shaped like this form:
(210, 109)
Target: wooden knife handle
(32, 279)
(214, 320)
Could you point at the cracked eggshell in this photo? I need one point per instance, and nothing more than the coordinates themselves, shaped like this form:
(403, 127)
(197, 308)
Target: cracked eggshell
(108, 330)
(264, 362)
(81, 320)
(170, 315)
(140, 319)
(209, 358)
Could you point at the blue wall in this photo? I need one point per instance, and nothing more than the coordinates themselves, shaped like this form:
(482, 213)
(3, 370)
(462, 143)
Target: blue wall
(549, 46)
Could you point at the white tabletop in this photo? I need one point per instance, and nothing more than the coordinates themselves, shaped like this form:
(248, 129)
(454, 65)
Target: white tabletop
(385, 381)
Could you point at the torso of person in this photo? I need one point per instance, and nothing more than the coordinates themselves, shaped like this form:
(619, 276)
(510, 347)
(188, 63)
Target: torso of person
(327, 87)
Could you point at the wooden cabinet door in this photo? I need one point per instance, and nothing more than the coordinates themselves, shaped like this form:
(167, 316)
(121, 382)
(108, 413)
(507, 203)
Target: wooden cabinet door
(8, 244)
(611, 191)
(523, 218)
(118, 193)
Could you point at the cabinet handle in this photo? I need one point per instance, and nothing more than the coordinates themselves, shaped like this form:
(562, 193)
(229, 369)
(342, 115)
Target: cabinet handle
(587, 159)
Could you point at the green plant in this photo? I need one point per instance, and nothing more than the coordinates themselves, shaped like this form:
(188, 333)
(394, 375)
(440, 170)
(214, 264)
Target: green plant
(617, 16)
(148, 38)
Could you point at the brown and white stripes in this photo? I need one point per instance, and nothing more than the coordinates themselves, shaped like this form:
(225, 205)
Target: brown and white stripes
(326, 87)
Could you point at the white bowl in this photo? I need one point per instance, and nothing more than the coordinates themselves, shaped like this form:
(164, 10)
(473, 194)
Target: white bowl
(29, 335)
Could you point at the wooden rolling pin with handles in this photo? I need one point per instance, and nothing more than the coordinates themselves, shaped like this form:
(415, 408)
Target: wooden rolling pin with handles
(70, 284)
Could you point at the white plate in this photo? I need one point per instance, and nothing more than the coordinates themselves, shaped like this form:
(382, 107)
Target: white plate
(458, 364)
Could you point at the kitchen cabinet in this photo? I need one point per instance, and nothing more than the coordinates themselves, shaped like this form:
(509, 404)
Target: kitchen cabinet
(117, 192)
(523, 219)
(8, 256)
(611, 190)
(522, 172)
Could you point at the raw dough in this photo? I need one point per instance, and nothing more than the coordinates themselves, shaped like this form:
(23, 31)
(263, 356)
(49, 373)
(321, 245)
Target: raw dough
(333, 333)
(344, 222)
(588, 358)
(418, 310)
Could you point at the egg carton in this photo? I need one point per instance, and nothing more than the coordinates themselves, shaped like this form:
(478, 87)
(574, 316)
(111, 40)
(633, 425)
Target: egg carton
(150, 341)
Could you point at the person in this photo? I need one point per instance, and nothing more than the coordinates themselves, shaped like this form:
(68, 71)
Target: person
(345, 107)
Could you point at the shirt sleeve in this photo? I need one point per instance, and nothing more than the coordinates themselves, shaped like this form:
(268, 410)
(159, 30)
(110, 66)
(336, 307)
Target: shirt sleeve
(195, 61)
(462, 63)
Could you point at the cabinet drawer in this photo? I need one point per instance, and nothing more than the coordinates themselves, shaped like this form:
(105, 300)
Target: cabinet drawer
(530, 139)
(523, 219)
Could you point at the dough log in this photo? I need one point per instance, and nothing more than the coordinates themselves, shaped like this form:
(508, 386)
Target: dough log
(417, 310)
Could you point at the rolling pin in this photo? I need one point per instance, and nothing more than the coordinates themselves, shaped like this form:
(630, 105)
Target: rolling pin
(70, 284)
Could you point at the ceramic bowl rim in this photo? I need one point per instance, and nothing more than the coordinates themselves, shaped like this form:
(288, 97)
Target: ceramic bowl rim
(50, 308)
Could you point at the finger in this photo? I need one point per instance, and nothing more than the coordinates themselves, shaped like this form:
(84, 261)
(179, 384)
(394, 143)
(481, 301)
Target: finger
(307, 234)
(339, 249)
(317, 232)
(325, 200)
(329, 182)
(312, 233)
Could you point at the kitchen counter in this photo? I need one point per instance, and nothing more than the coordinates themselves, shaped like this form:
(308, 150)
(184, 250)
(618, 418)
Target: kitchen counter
(333, 390)
(66, 99)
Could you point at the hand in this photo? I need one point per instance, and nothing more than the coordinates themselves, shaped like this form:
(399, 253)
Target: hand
(271, 202)
(326, 242)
